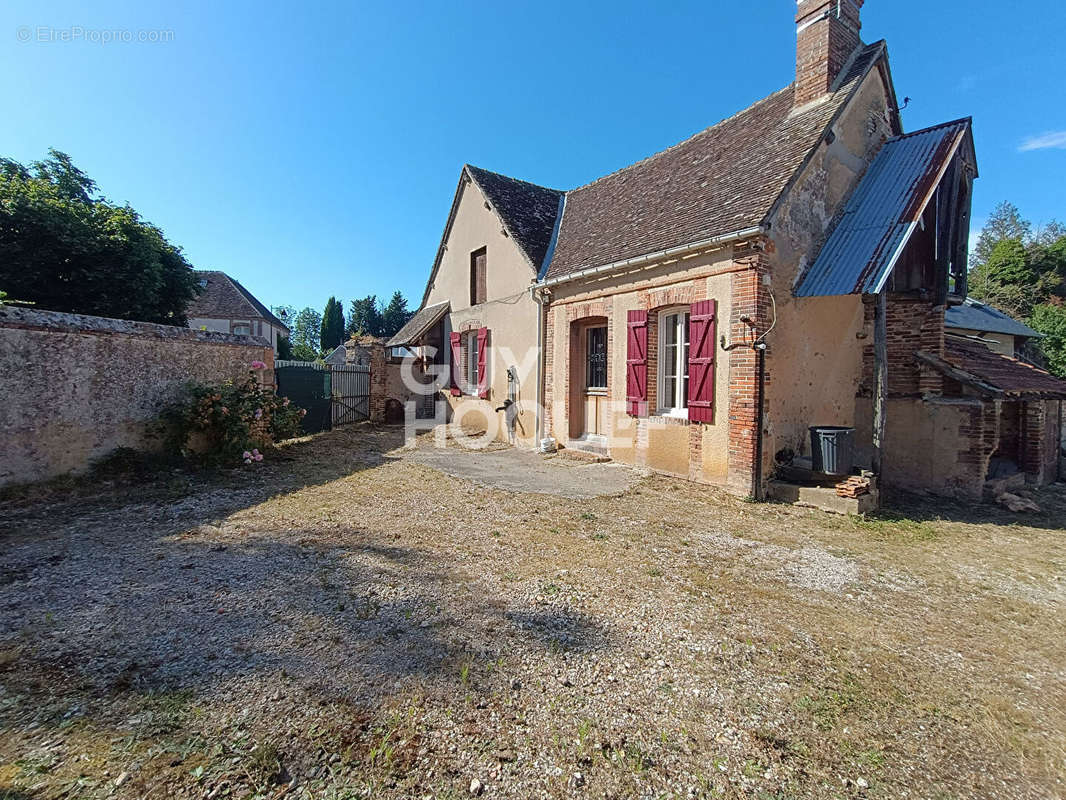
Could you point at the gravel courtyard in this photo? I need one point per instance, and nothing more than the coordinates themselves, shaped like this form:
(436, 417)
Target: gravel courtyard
(353, 620)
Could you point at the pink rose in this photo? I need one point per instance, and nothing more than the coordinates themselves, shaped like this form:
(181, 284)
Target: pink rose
(246, 455)
(258, 365)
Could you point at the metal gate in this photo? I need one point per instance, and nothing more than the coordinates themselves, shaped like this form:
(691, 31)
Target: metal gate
(351, 393)
(309, 386)
(332, 394)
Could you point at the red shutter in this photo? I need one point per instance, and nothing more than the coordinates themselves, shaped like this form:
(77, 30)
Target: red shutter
(701, 349)
(637, 363)
(456, 339)
(482, 361)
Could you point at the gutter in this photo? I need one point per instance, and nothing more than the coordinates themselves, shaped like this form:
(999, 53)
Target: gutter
(656, 256)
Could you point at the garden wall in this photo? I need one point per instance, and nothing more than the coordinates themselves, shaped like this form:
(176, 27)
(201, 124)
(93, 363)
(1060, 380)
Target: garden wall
(74, 388)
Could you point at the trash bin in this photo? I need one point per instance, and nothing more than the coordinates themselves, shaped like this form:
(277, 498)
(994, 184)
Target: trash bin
(832, 449)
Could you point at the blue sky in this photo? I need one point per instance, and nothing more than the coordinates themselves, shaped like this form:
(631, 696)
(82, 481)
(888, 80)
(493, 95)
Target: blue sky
(313, 149)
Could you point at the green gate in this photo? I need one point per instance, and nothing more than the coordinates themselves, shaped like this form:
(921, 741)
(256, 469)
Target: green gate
(308, 386)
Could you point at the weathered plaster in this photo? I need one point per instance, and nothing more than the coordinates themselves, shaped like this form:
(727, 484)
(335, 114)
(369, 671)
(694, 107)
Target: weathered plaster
(75, 388)
(815, 351)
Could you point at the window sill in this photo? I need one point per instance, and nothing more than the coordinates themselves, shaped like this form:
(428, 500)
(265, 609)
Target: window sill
(673, 413)
(590, 392)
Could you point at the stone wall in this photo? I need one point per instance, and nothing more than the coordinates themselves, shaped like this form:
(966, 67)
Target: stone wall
(74, 388)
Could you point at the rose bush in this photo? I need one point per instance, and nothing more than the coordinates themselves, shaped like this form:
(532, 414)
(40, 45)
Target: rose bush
(230, 423)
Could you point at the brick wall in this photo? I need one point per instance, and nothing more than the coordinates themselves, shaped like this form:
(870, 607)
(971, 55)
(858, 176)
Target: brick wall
(911, 325)
(76, 387)
(750, 301)
(574, 313)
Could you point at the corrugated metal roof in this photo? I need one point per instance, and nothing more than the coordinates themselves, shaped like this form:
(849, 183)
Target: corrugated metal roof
(883, 212)
(976, 316)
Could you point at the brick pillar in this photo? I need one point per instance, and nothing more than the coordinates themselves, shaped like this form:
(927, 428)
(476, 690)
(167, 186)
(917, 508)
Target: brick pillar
(979, 431)
(549, 372)
(749, 300)
(378, 377)
(1034, 443)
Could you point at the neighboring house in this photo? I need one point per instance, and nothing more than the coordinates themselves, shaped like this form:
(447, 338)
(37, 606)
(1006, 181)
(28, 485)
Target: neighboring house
(339, 355)
(788, 267)
(1002, 333)
(224, 305)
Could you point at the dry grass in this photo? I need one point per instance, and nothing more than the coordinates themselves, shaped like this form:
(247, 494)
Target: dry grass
(382, 630)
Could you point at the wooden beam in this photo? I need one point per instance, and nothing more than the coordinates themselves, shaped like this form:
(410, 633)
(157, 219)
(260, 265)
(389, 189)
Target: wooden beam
(960, 375)
(880, 379)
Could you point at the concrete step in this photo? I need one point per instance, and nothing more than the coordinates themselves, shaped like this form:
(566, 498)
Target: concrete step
(588, 454)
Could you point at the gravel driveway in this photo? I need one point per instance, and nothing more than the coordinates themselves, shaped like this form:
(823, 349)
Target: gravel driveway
(523, 471)
(350, 620)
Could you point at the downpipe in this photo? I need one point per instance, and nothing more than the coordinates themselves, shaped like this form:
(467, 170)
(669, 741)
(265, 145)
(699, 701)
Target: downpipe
(760, 352)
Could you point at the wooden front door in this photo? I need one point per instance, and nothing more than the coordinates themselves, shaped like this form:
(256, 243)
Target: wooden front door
(595, 381)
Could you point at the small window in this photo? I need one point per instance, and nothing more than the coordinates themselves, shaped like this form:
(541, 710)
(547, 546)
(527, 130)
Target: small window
(203, 283)
(470, 358)
(242, 329)
(478, 276)
(596, 358)
(673, 362)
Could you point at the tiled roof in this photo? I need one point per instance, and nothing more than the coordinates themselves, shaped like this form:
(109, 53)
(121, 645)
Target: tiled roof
(883, 212)
(423, 319)
(528, 210)
(976, 316)
(724, 179)
(1009, 376)
(225, 298)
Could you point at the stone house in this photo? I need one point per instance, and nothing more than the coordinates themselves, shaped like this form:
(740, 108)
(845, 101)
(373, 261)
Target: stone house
(697, 312)
(225, 306)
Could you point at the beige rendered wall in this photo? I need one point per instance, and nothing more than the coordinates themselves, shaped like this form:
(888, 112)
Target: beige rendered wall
(660, 443)
(814, 359)
(76, 387)
(929, 444)
(510, 314)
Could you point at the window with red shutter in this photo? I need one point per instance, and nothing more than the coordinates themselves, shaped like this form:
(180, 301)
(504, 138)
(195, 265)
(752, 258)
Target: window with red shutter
(456, 340)
(702, 323)
(637, 363)
(482, 363)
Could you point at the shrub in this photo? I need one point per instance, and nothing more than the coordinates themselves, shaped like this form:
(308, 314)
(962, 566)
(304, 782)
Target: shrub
(229, 423)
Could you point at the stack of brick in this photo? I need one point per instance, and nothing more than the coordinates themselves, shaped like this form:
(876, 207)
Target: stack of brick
(855, 486)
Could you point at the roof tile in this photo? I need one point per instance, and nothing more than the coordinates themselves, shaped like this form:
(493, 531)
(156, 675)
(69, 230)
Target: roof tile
(723, 179)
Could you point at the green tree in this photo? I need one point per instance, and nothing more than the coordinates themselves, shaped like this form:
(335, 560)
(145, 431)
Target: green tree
(1005, 222)
(64, 248)
(1008, 279)
(284, 348)
(395, 315)
(365, 318)
(332, 325)
(1024, 273)
(1050, 320)
(306, 333)
(285, 313)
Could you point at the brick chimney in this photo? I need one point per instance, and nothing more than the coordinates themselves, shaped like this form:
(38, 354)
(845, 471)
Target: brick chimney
(827, 33)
